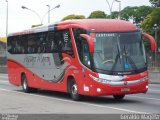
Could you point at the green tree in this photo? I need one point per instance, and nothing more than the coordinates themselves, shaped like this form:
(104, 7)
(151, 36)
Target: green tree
(97, 14)
(137, 14)
(128, 13)
(72, 16)
(141, 13)
(114, 15)
(148, 24)
(33, 26)
(155, 3)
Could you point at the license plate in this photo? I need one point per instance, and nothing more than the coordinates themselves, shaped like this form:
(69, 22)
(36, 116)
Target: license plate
(125, 89)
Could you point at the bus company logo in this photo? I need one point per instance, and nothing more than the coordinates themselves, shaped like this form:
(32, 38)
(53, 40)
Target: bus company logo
(40, 59)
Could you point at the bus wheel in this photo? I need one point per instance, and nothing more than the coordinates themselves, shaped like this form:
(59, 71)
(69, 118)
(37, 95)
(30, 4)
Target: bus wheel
(118, 97)
(25, 87)
(74, 91)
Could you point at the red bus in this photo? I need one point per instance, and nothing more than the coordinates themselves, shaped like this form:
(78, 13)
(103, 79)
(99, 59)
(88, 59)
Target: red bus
(93, 57)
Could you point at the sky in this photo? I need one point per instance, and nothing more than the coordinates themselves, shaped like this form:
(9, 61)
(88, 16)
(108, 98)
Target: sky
(20, 19)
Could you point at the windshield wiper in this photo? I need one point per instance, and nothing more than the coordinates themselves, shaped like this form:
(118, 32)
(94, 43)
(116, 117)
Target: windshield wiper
(118, 56)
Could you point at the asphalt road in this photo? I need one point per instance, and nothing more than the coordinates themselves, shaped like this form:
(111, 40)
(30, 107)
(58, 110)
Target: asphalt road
(13, 100)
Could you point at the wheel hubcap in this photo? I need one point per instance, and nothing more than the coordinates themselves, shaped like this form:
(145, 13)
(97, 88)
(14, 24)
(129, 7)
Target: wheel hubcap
(74, 89)
(25, 84)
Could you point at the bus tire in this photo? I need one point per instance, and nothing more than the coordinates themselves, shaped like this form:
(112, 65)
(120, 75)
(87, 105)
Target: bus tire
(25, 86)
(118, 97)
(74, 91)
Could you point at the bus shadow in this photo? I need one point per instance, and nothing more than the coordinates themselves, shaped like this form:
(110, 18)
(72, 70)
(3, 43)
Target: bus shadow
(51, 94)
(110, 100)
(87, 99)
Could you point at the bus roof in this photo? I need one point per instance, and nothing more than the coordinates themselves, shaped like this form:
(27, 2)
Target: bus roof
(105, 25)
(99, 25)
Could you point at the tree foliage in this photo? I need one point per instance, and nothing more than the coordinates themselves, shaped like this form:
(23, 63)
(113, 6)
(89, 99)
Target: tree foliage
(97, 14)
(152, 19)
(33, 26)
(137, 14)
(72, 16)
(3, 41)
(149, 23)
(128, 13)
(155, 3)
(142, 12)
(114, 15)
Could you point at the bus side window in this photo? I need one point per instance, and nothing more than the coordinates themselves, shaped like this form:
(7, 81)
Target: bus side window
(64, 42)
(52, 42)
(41, 40)
(31, 43)
(58, 40)
(14, 45)
(23, 44)
(10, 45)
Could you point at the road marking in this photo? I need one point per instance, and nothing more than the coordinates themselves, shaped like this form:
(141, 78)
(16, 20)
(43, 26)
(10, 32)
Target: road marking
(144, 97)
(89, 104)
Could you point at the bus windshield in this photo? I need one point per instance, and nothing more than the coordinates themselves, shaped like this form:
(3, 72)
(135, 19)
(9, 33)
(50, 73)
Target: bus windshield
(119, 53)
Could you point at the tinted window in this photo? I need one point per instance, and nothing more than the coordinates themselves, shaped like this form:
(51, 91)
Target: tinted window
(44, 42)
(63, 41)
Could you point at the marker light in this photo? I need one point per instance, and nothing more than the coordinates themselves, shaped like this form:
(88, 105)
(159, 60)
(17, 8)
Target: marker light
(98, 89)
(146, 86)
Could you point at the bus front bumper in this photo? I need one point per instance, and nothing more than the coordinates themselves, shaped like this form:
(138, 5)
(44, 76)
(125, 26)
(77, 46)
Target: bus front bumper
(125, 87)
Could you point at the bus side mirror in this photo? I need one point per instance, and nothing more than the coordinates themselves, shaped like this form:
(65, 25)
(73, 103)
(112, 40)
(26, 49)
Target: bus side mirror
(152, 41)
(90, 41)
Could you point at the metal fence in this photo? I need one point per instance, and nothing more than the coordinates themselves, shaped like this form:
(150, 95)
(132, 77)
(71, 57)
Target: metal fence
(154, 67)
(153, 61)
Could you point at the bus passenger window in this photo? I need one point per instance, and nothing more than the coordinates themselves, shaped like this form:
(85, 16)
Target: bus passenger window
(10, 45)
(52, 43)
(41, 41)
(64, 42)
(67, 44)
(31, 43)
